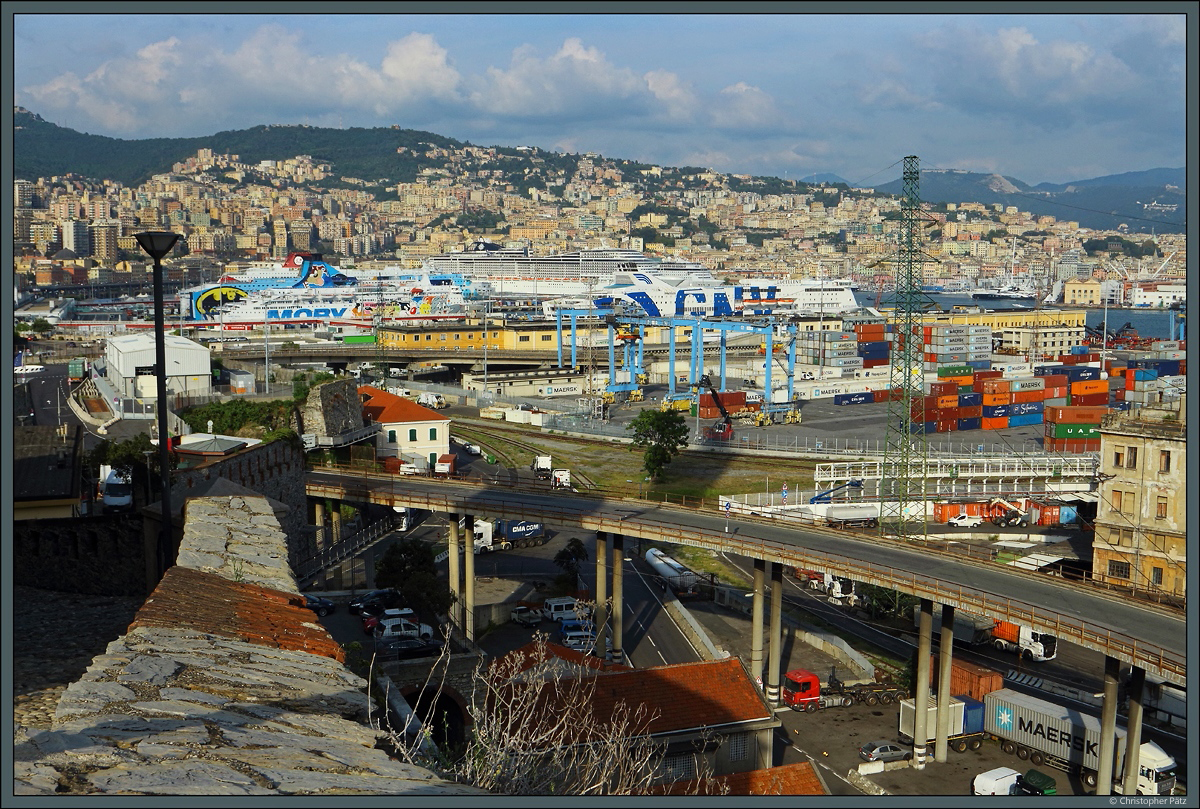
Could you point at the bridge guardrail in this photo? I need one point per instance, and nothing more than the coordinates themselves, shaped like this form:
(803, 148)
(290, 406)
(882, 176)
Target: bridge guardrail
(973, 600)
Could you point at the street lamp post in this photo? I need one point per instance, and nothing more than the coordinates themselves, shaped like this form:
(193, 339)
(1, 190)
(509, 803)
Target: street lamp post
(157, 244)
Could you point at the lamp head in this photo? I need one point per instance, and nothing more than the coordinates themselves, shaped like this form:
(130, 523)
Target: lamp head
(156, 243)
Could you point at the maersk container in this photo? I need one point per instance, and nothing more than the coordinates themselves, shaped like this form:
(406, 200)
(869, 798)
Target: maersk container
(980, 365)
(1040, 725)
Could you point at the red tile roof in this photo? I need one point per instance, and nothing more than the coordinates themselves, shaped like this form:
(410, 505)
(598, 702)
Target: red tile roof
(687, 695)
(388, 408)
(206, 602)
(681, 696)
(790, 779)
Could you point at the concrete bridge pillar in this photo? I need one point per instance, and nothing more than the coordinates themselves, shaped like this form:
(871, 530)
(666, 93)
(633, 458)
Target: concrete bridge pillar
(1108, 727)
(469, 577)
(618, 601)
(319, 521)
(941, 747)
(756, 623)
(453, 547)
(1133, 726)
(921, 697)
(776, 641)
(335, 515)
(600, 619)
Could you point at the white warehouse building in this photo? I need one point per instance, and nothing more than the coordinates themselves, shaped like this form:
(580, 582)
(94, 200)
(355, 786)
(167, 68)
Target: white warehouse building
(130, 366)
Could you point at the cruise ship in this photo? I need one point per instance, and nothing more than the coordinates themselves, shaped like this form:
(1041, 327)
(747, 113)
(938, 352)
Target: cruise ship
(319, 293)
(513, 271)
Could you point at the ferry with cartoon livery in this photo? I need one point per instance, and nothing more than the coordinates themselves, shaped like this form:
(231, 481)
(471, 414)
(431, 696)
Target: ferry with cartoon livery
(319, 292)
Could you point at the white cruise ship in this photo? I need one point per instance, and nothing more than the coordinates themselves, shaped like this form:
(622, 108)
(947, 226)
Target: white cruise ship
(516, 272)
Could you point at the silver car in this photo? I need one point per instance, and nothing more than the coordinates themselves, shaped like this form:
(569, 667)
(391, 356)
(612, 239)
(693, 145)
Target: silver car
(883, 751)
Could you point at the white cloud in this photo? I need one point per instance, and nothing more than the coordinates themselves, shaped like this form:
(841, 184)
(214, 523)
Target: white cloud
(677, 98)
(743, 106)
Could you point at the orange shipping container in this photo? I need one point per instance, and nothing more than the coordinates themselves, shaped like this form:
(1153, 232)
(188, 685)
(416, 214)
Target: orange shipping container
(947, 402)
(942, 512)
(1076, 415)
(1057, 392)
(1022, 396)
(994, 423)
(995, 386)
(973, 680)
(1086, 386)
(993, 399)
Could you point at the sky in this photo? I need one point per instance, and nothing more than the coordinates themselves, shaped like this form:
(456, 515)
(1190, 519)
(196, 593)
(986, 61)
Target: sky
(1039, 97)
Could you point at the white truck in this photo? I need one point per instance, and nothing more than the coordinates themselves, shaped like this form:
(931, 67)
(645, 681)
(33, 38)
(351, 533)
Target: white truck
(1044, 732)
(432, 400)
(501, 535)
(980, 630)
(542, 467)
(852, 516)
(561, 479)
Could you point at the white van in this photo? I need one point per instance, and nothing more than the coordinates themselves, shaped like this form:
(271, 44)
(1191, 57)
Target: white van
(1000, 781)
(116, 489)
(579, 639)
(564, 609)
(433, 400)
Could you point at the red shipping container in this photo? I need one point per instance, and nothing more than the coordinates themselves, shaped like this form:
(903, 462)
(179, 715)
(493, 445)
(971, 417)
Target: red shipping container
(975, 412)
(995, 386)
(1056, 392)
(943, 388)
(1057, 380)
(948, 426)
(930, 402)
(1119, 394)
(1049, 515)
(880, 395)
(1090, 399)
(981, 375)
(1025, 396)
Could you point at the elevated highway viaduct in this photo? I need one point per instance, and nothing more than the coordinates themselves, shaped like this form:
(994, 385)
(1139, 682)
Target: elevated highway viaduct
(1141, 634)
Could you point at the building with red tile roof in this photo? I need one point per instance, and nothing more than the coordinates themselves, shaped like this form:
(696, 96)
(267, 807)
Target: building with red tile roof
(407, 430)
(710, 717)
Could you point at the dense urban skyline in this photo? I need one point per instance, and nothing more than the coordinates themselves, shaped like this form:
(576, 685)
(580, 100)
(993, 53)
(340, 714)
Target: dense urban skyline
(1044, 98)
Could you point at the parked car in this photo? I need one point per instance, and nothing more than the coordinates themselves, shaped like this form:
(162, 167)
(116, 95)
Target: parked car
(371, 620)
(965, 521)
(525, 616)
(406, 648)
(883, 751)
(388, 597)
(321, 606)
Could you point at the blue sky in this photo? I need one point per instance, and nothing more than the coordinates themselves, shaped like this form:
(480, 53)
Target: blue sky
(1043, 98)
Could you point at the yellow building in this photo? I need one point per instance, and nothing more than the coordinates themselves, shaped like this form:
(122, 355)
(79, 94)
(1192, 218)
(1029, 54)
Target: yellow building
(1141, 520)
(1082, 293)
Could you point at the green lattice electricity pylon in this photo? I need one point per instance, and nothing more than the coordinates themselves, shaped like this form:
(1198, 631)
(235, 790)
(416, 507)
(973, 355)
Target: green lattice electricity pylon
(906, 453)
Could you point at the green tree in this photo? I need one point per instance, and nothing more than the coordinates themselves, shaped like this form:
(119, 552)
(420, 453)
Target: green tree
(662, 435)
(42, 326)
(573, 554)
(409, 567)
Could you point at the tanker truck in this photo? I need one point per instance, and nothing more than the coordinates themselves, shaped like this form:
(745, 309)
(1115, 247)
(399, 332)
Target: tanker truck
(671, 573)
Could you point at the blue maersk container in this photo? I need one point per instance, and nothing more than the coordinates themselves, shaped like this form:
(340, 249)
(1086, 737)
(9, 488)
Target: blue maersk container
(996, 411)
(979, 365)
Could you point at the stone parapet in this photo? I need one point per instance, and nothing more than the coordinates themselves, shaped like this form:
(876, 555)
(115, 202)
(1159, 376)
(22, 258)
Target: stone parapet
(225, 684)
